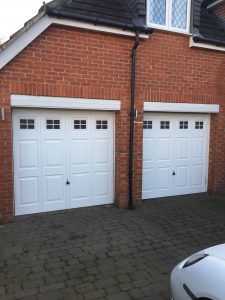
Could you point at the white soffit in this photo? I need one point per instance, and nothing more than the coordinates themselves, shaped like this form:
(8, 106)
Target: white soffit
(181, 107)
(40, 23)
(64, 103)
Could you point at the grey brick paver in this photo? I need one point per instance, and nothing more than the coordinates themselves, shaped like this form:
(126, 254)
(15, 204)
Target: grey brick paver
(33, 284)
(94, 295)
(112, 290)
(85, 287)
(119, 296)
(104, 253)
(26, 293)
(107, 282)
(53, 295)
(136, 293)
(52, 287)
(126, 286)
(2, 290)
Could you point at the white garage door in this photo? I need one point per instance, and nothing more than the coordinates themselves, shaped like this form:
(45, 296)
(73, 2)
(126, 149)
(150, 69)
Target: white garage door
(62, 159)
(175, 154)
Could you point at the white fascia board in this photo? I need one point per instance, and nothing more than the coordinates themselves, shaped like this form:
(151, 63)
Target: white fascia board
(27, 101)
(34, 30)
(193, 44)
(180, 107)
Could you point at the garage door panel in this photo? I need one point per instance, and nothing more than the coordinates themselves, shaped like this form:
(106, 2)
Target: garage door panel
(29, 191)
(102, 184)
(183, 149)
(53, 152)
(92, 173)
(164, 149)
(102, 152)
(28, 154)
(54, 188)
(79, 187)
(163, 178)
(149, 150)
(181, 155)
(148, 185)
(27, 162)
(53, 165)
(199, 147)
(182, 175)
(83, 148)
(197, 176)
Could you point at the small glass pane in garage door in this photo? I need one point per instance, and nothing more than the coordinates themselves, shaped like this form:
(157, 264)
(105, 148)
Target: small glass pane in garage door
(183, 124)
(101, 124)
(80, 124)
(165, 125)
(26, 123)
(199, 125)
(147, 124)
(53, 124)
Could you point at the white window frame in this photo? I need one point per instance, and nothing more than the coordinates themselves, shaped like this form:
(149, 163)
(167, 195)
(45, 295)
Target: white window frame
(168, 25)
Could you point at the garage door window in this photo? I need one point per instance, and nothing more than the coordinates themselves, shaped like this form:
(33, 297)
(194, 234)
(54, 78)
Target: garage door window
(165, 125)
(80, 124)
(101, 124)
(183, 124)
(26, 123)
(199, 125)
(53, 124)
(147, 124)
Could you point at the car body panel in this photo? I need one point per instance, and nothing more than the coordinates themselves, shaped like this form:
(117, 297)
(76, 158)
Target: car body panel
(206, 278)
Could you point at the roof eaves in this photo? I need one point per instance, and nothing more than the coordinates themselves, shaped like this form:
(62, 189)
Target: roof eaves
(135, 19)
(58, 13)
(197, 37)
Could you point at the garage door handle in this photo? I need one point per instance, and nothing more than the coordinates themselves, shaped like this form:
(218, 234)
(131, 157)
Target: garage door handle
(174, 173)
(67, 182)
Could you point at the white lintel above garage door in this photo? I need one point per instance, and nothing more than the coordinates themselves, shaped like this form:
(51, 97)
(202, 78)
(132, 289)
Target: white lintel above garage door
(181, 107)
(27, 101)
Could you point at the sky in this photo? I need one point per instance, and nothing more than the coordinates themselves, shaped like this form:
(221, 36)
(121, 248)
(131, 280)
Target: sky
(14, 13)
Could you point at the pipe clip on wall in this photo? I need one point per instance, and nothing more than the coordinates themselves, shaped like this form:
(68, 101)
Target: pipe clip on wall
(136, 118)
(3, 114)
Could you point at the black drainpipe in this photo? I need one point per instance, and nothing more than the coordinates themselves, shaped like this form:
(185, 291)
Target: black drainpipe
(132, 118)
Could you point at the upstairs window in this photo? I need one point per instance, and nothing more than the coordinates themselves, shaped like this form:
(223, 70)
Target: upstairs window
(172, 15)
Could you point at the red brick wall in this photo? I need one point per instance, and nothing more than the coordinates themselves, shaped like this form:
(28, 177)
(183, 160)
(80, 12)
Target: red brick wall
(71, 62)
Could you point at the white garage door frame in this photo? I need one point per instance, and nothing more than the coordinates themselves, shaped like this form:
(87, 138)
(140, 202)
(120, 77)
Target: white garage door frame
(85, 105)
(180, 109)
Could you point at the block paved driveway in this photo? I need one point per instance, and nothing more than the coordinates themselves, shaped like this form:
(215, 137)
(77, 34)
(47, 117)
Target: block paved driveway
(105, 252)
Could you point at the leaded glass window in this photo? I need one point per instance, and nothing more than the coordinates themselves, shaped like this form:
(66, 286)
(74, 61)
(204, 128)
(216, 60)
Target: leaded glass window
(157, 12)
(179, 14)
(169, 14)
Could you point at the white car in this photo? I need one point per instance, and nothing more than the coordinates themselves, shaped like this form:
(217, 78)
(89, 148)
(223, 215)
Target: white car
(201, 276)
